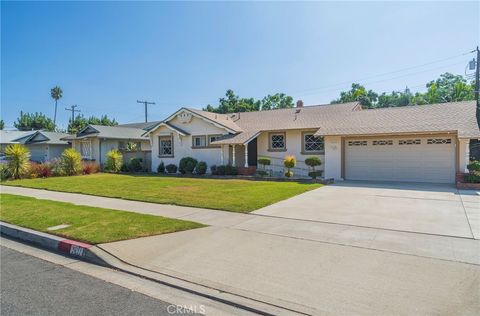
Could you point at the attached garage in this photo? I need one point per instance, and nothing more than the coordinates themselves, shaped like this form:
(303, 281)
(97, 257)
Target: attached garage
(416, 159)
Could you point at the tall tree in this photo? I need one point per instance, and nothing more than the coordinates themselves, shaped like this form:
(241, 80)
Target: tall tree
(233, 103)
(56, 93)
(2, 124)
(81, 121)
(34, 121)
(358, 93)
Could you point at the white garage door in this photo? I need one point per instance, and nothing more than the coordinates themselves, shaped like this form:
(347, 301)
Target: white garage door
(401, 159)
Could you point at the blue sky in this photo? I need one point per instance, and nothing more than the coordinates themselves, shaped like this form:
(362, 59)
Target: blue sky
(106, 55)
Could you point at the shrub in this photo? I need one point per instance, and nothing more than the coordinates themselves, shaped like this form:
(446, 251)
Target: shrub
(161, 167)
(114, 161)
(474, 167)
(289, 162)
(71, 162)
(135, 165)
(57, 169)
(18, 162)
(187, 165)
(313, 162)
(201, 168)
(41, 170)
(264, 161)
(472, 178)
(89, 167)
(262, 173)
(315, 174)
(223, 170)
(4, 172)
(171, 168)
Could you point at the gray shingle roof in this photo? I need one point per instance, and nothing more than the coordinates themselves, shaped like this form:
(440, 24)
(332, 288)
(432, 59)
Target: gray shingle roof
(26, 137)
(445, 117)
(142, 125)
(111, 132)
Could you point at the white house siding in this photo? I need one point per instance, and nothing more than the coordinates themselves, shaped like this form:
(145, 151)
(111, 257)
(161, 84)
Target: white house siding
(293, 147)
(333, 157)
(182, 145)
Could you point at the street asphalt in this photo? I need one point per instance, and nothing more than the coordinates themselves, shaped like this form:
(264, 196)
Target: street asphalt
(31, 286)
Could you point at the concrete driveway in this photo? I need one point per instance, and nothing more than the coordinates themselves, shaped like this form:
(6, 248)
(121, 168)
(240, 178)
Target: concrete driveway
(421, 208)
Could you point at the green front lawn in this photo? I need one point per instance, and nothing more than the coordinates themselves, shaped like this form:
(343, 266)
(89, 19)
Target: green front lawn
(89, 224)
(222, 194)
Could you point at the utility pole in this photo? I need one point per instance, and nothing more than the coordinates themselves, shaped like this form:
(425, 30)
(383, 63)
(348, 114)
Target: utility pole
(477, 87)
(72, 109)
(146, 103)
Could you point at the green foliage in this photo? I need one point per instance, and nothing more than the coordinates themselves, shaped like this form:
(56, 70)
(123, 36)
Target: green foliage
(289, 162)
(262, 173)
(135, 165)
(34, 121)
(131, 146)
(224, 170)
(313, 162)
(232, 103)
(315, 174)
(80, 122)
(472, 178)
(18, 158)
(264, 161)
(187, 165)
(474, 166)
(201, 168)
(4, 172)
(114, 160)
(56, 93)
(2, 125)
(288, 174)
(71, 162)
(447, 88)
(171, 168)
(161, 167)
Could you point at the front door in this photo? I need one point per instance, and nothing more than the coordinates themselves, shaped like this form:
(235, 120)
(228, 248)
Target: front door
(252, 153)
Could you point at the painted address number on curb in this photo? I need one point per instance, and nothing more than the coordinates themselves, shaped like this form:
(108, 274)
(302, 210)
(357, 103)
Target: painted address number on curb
(77, 251)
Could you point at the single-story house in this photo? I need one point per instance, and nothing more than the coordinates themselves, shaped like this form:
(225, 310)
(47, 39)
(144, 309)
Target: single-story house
(43, 145)
(427, 143)
(95, 141)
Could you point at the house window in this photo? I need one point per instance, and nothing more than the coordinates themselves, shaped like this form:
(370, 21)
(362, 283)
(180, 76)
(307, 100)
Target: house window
(432, 141)
(357, 143)
(165, 146)
(312, 143)
(382, 142)
(86, 149)
(212, 138)
(409, 142)
(277, 142)
(129, 146)
(199, 141)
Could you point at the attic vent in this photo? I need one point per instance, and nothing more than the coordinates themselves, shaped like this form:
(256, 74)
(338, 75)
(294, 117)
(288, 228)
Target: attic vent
(432, 141)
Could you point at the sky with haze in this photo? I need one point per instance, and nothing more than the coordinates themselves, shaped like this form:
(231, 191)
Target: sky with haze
(107, 55)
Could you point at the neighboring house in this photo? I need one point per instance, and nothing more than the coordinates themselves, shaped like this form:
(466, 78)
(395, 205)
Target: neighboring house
(427, 143)
(95, 141)
(43, 145)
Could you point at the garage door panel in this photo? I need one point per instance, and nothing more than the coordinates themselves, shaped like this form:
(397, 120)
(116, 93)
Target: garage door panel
(417, 162)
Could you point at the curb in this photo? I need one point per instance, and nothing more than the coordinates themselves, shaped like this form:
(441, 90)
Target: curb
(54, 243)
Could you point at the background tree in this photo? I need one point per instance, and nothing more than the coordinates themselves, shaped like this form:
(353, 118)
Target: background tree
(358, 93)
(2, 124)
(34, 121)
(81, 121)
(446, 88)
(56, 93)
(232, 103)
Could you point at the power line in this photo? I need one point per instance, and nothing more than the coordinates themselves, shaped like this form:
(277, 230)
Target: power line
(146, 103)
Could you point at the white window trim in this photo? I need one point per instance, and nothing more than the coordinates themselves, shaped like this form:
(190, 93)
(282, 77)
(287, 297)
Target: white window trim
(204, 141)
(165, 137)
(309, 152)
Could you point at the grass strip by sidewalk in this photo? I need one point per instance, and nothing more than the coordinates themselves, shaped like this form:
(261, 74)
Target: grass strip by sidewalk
(88, 224)
(235, 195)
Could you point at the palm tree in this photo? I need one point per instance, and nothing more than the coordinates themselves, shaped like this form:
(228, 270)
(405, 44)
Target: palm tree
(56, 93)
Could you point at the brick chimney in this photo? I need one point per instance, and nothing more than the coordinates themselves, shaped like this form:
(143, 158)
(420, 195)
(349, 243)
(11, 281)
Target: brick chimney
(299, 104)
